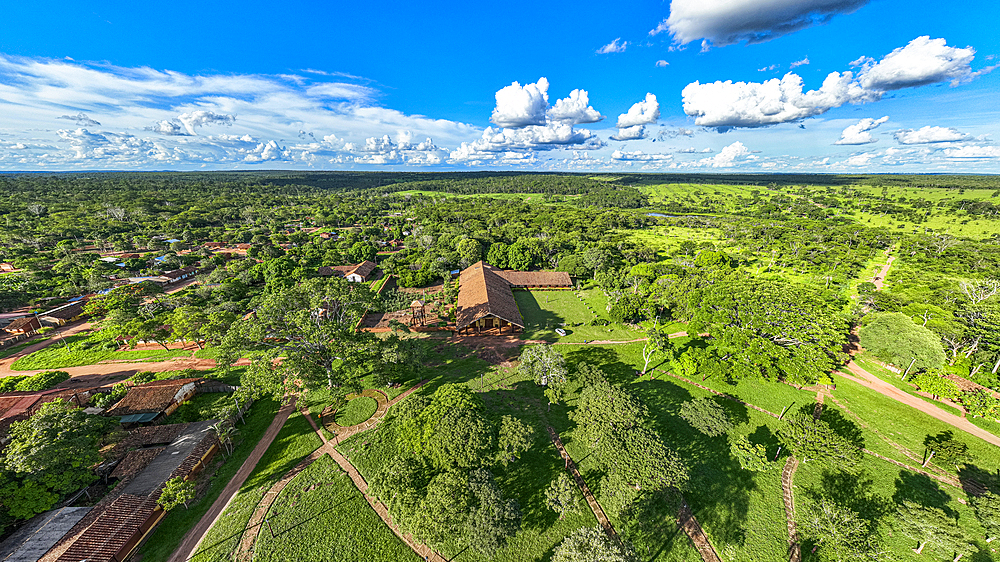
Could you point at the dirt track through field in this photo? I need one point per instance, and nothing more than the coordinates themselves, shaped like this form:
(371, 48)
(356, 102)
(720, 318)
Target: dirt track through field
(259, 518)
(787, 482)
(869, 380)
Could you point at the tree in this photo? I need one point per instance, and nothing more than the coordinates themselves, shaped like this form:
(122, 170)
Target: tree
(604, 409)
(57, 446)
(637, 463)
(493, 520)
(947, 450)
(443, 511)
(656, 342)
(470, 250)
(497, 255)
(987, 509)
(978, 290)
(813, 439)
(707, 416)
(187, 324)
(931, 525)
(548, 368)
(840, 532)
(515, 438)
(766, 328)
(562, 495)
(225, 432)
(49, 454)
(310, 327)
(895, 338)
(936, 384)
(175, 492)
(751, 456)
(362, 251)
(450, 429)
(591, 544)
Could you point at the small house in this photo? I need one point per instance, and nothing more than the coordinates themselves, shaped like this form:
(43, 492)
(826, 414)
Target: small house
(7, 266)
(26, 325)
(154, 400)
(357, 273)
(62, 315)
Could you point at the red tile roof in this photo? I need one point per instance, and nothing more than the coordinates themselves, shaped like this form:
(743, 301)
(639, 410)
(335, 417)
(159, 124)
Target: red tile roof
(151, 397)
(482, 292)
(531, 279)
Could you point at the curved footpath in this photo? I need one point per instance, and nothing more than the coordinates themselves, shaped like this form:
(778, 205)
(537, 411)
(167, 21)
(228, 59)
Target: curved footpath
(252, 530)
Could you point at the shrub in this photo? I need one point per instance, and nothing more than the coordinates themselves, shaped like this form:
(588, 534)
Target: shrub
(599, 322)
(42, 381)
(8, 384)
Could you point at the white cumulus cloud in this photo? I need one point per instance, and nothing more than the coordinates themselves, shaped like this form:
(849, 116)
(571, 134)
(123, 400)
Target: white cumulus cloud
(723, 22)
(929, 135)
(755, 104)
(641, 113)
(613, 47)
(631, 124)
(922, 61)
(973, 152)
(662, 63)
(859, 133)
(862, 159)
(520, 106)
(728, 156)
(634, 132)
(797, 63)
(574, 109)
(751, 104)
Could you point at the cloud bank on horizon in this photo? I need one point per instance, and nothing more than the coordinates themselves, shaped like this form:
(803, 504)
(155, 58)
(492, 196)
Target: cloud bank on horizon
(61, 114)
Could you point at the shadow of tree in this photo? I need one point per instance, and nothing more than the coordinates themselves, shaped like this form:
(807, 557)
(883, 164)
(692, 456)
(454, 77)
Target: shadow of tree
(977, 481)
(919, 488)
(843, 426)
(719, 488)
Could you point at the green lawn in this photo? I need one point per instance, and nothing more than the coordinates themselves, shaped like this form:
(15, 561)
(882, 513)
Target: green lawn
(168, 534)
(321, 515)
(78, 351)
(295, 441)
(356, 411)
(7, 352)
(544, 311)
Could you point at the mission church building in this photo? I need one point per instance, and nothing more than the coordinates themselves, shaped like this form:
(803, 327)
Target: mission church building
(486, 303)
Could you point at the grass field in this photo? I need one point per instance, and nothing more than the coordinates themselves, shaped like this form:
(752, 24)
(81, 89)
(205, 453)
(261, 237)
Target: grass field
(544, 311)
(321, 515)
(295, 441)
(168, 534)
(356, 411)
(743, 514)
(7, 352)
(74, 354)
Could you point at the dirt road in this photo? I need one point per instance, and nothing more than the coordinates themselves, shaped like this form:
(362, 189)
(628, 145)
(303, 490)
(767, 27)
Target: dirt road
(871, 381)
(189, 544)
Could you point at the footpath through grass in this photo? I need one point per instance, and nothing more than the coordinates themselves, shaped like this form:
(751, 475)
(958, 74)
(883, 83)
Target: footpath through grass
(295, 441)
(78, 351)
(171, 530)
(321, 515)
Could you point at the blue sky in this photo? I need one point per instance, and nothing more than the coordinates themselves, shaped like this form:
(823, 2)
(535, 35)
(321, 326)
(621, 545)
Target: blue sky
(684, 85)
